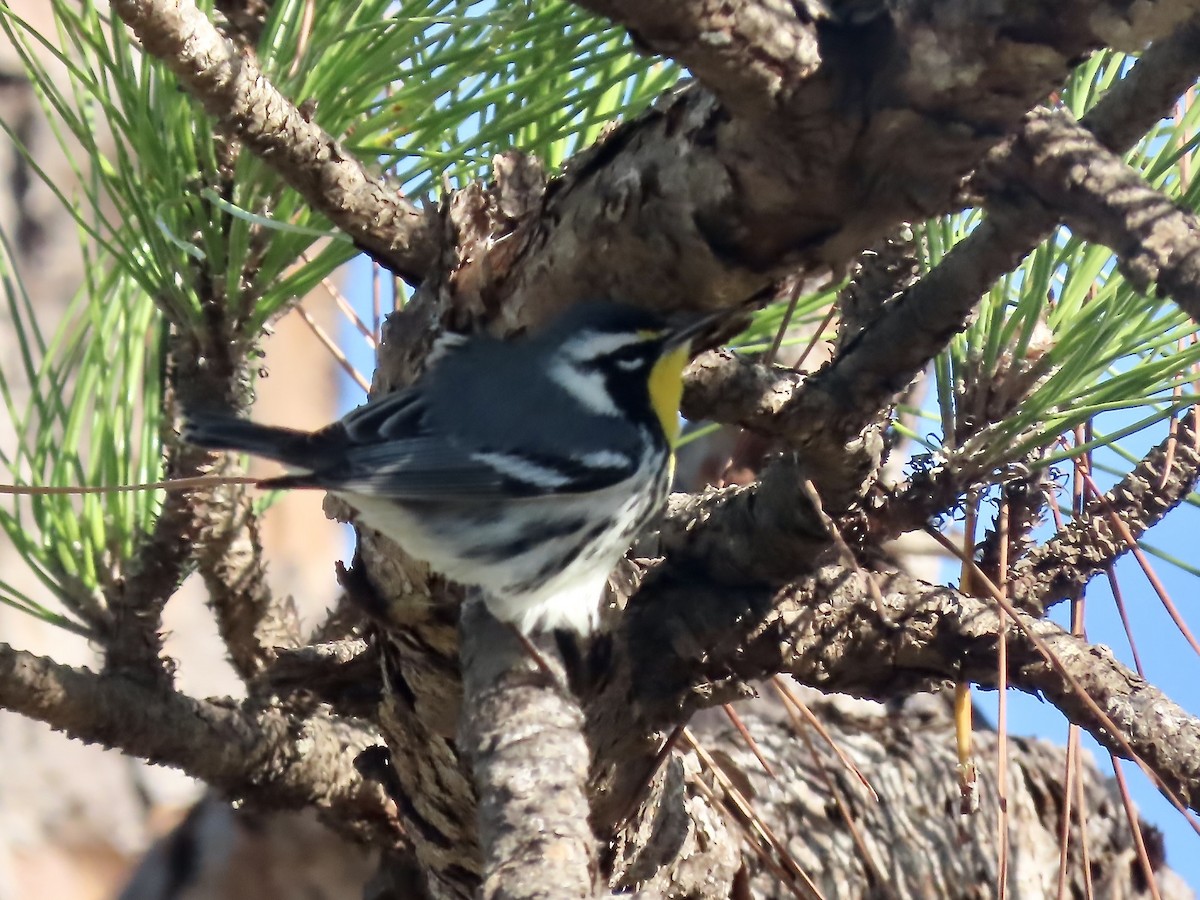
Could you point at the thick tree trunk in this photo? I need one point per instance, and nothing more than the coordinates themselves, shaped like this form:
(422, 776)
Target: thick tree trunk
(914, 842)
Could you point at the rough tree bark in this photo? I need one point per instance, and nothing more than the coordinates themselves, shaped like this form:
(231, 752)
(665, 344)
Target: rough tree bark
(811, 131)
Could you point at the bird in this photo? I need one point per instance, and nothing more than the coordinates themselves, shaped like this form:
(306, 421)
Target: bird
(523, 467)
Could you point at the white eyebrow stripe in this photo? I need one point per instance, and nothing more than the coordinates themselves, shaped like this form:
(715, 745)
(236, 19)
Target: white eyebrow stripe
(587, 387)
(521, 469)
(593, 346)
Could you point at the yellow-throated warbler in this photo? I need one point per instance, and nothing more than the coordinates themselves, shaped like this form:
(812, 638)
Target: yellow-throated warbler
(524, 467)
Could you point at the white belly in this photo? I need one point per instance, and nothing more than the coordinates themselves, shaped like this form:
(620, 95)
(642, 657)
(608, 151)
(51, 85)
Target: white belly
(519, 585)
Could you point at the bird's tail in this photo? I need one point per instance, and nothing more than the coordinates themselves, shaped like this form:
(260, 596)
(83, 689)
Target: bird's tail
(286, 445)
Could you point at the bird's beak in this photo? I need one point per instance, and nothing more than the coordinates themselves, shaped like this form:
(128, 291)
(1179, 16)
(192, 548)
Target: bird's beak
(689, 332)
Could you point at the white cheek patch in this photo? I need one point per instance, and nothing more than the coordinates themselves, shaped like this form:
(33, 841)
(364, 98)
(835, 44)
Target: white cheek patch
(587, 387)
(591, 347)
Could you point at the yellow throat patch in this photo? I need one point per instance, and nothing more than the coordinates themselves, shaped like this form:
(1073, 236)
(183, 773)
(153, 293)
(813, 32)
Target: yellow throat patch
(666, 390)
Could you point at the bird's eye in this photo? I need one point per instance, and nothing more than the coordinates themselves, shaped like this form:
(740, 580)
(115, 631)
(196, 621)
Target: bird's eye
(629, 359)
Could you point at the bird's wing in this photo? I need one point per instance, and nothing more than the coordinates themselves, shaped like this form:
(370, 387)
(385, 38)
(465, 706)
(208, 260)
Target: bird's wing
(389, 449)
(397, 416)
(432, 468)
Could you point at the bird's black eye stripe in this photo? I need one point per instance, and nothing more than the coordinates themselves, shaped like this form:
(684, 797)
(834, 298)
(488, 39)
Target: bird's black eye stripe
(630, 358)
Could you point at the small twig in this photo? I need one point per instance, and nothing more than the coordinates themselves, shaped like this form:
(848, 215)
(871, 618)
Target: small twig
(964, 726)
(1072, 779)
(1173, 430)
(1002, 713)
(1085, 852)
(1072, 682)
(1160, 589)
(878, 879)
(376, 301)
(1119, 600)
(757, 844)
(1070, 774)
(968, 775)
(334, 350)
(1135, 828)
(736, 721)
(798, 365)
(304, 35)
(664, 753)
(756, 822)
(796, 706)
(844, 551)
(171, 485)
(347, 309)
(773, 351)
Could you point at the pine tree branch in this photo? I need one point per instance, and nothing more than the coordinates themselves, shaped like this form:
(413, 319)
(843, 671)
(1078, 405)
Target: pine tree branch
(1163, 479)
(819, 415)
(1103, 200)
(690, 647)
(433, 788)
(914, 327)
(766, 47)
(844, 167)
(251, 620)
(258, 754)
(748, 54)
(344, 674)
(522, 732)
(133, 642)
(233, 90)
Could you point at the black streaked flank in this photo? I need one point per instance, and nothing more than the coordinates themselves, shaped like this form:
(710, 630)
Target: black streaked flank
(531, 535)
